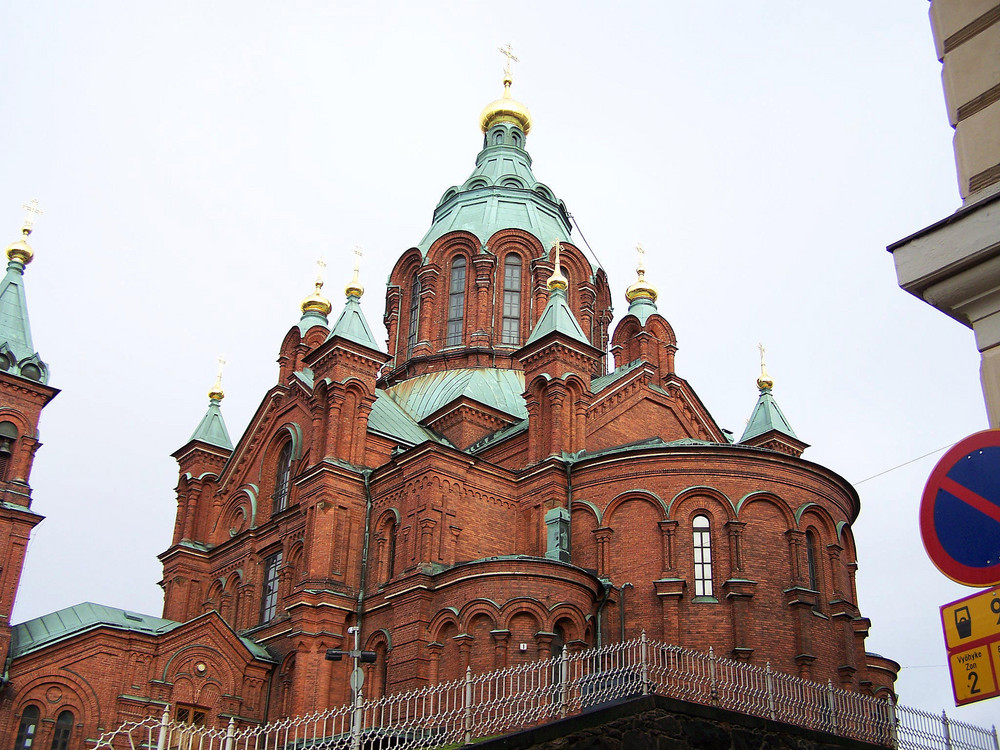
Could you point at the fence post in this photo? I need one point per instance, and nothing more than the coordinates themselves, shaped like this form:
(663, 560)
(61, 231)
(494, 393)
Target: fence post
(468, 705)
(161, 740)
(769, 681)
(996, 743)
(947, 730)
(563, 680)
(832, 706)
(711, 675)
(644, 651)
(230, 732)
(894, 724)
(356, 721)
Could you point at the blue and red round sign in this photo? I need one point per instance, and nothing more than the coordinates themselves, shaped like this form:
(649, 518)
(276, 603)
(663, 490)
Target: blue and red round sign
(960, 511)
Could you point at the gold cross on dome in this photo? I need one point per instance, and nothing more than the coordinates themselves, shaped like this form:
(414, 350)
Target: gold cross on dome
(222, 363)
(320, 265)
(33, 212)
(506, 52)
(557, 246)
(760, 348)
(642, 258)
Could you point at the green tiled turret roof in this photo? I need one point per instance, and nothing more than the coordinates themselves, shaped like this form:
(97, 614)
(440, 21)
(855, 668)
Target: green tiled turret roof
(351, 324)
(557, 317)
(212, 428)
(767, 416)
(17, 352)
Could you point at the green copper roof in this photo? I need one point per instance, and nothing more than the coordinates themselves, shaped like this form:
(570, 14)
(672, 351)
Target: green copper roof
(425, 394)
(599, 384)
(212, 428)
(388, 418)
(642, 308)
(351, 324)
(17, 353)
(766, 417)
(58, 626)
(501, 193)
(557, 317)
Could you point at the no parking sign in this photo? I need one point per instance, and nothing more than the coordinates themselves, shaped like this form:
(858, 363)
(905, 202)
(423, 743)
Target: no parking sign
(960, 511)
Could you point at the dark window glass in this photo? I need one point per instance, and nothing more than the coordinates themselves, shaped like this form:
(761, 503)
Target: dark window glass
(411, 334)
(282, 477)
(27, 728)
(63, 730)
(456, 302)
(269, 593)
(702, 556)
(811, 560)
(511, 330)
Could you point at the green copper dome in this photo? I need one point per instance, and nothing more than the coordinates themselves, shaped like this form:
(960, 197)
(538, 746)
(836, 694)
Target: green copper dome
(501, 193)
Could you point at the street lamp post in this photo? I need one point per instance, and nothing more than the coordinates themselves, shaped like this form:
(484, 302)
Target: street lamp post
(357, 679)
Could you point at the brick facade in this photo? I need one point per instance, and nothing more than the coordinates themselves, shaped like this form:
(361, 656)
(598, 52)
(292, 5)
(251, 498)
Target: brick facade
(459, 520)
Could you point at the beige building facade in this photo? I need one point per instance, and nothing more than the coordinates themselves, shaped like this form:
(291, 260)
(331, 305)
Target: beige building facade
(954, 264)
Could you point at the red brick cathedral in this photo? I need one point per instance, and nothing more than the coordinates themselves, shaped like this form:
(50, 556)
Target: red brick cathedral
(478, 492)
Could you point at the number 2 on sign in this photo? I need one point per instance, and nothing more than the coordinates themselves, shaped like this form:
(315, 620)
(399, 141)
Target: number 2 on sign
(973, 683)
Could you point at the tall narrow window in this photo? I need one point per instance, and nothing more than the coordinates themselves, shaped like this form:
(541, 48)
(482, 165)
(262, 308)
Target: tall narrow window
(412, 330)
(811, 560)
(64, 727)
(456, 302)
(8, 435)
(282, 477)
(26, 729)
(702, 556)
(511, 331)
(269, 592)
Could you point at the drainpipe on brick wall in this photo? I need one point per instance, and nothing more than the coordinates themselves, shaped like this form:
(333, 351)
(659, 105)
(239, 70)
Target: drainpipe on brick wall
(568, 461)
(365, 477)
(606, 585)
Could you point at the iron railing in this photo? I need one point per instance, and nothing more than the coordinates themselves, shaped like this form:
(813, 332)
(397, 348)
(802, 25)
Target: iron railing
(505, 700)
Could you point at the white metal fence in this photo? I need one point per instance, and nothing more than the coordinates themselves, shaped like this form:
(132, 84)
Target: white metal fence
(457, 712)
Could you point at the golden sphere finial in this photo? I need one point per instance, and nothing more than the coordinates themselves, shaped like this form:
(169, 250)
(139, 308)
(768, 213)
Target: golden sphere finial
(316, 302)
(765, 382)
(20, 251)
(216, 393)
(557, 280)
(506, 108)
(641, 289)
(354, 288)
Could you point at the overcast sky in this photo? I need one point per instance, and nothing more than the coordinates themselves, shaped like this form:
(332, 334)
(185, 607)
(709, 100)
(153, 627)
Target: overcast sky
(193, 162)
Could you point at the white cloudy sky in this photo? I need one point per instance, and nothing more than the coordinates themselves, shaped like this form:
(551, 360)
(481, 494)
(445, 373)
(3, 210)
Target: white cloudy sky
(194, 159)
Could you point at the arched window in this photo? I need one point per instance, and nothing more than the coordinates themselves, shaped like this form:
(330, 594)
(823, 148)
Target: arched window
(64, 727)
(456, 302)
(411, 332)
(282, 477)
(511, 329)
(8, 434)
(702, 556)
(811, 559)
(26, 729)
(269, 591)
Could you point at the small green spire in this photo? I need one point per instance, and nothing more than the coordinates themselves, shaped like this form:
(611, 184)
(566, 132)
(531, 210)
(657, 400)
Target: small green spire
(557, 317)
(212, 428)
(767, 416)
(17, 352)
(351, 324)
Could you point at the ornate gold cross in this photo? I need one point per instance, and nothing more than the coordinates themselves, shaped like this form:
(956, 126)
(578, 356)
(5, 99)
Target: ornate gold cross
(33, 212)
(506, 52)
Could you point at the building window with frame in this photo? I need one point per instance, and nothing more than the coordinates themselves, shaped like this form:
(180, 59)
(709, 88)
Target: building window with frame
(702, 556)
(193, 715)
(282, 479)
(8, 437)
(413, 330)
(510, 332)
(27, 728)
(269, 591)
(456, 302)
(63, 730)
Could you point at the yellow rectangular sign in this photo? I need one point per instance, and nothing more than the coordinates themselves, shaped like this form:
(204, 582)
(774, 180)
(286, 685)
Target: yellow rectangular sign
(971, 619)
(972, 675)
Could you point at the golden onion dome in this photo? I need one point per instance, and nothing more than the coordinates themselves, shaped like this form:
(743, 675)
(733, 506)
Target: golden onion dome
(354, 288)
(557, 280)
(217, 394)
(641, 289)
(505, 109)
(20, 250)
(316, 302)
